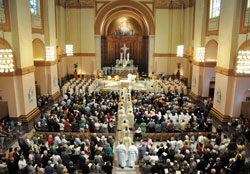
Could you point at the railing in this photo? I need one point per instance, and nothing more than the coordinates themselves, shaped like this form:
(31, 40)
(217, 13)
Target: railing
(83, 134)
(167, 136)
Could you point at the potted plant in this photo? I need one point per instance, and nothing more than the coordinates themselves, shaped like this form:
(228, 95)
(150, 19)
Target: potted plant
(75, 72)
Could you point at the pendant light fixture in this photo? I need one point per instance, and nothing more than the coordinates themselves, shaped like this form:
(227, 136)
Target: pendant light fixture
(243, 58)
(6, 55)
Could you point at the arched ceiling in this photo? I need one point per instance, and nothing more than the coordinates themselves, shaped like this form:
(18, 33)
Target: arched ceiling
(132, 7)
(136, 20)
(158, 3)
(132, 24)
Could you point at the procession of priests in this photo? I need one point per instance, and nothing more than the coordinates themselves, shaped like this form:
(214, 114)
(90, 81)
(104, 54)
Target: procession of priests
(125, 112)
(79, 86)
(123, 155)
(126, 150)
(174, 86)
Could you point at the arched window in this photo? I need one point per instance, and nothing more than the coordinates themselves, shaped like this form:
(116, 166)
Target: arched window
(214, 8)
(35, 7)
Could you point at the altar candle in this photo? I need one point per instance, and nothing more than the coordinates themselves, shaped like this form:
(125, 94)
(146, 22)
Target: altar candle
(121, 56)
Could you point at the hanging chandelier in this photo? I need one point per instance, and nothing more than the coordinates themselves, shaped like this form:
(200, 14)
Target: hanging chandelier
(6, 61)
(69, 50)
(50, 53)
(200, 54)
(243, 58)
(6, 55)
(243, 62)
(180, 49)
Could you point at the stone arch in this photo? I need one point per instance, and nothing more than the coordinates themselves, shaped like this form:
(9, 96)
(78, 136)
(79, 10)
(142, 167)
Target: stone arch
(102, 16)
(211, 50)
(38, 49)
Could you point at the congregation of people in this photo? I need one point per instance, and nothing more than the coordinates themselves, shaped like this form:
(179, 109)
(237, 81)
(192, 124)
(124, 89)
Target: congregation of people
(216, 154)
(167, 110)
(171, 112)
(42, 101)
(91, 112)
(60, 154)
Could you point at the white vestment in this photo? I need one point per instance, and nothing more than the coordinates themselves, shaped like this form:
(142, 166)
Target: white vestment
(77, 90)
(127, 141)
(132, 155)
(121, 155)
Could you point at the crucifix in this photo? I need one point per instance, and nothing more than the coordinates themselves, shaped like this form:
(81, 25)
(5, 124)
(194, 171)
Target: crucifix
(124, 48)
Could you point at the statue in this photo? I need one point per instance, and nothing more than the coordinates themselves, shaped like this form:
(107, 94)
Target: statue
(128, 57)
(121, 57)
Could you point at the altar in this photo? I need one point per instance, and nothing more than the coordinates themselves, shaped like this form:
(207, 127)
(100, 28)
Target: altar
(124, 65)
(109, 85)
(124, 83)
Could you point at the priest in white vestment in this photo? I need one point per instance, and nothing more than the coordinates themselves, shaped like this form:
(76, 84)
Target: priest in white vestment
(77, 90)
(127, 141)
(132, 155)
(131, 119)
(121, 155)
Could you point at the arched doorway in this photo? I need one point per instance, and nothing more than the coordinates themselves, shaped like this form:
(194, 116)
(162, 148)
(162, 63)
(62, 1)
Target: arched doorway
(211, 57)
(124, 22)
(39, 62)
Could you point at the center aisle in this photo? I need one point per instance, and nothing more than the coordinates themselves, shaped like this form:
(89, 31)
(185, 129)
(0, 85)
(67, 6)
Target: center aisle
(125, 132)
